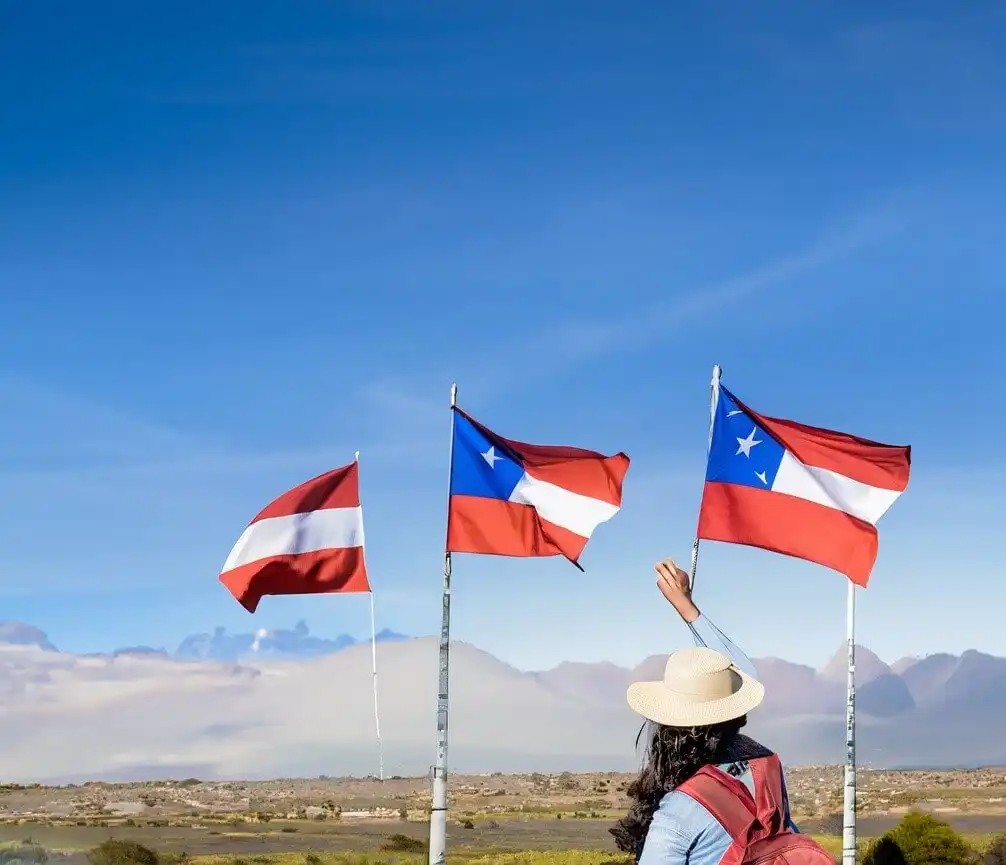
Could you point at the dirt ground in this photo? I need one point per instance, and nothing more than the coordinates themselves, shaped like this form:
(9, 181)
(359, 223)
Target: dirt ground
(488, 812)
(516, 834)
(814, 791)
(511, 834)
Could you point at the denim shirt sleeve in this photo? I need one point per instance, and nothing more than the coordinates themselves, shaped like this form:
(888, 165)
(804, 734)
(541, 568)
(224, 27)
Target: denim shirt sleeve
(683, 832)
(666, 842)
(705, 633)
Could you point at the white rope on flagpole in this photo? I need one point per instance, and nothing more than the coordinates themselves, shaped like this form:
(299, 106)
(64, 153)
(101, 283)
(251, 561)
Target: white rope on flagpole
(377, 711)
(849, 792)
(373, 655)
(714, 398)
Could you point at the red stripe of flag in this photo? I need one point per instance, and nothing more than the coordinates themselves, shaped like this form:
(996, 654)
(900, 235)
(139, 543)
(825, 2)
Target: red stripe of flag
(869, 462)
(339, 488)
(335, 571)
(498, 528)
(784, 524)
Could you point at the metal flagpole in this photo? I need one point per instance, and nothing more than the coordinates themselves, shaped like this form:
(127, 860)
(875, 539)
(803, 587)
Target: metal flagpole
(849, 799)
(373, 654)
(438, 809)
(714, 398)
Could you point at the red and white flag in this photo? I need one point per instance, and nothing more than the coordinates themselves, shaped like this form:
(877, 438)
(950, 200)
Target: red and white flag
(308, 541)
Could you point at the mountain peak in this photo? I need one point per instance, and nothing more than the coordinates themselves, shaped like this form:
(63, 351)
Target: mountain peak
(386, 635)
(868, 665)
(139, 652)
(903, 664)
(21, 634)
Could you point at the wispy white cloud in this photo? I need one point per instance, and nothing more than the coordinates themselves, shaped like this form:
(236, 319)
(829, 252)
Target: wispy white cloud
(933, 69)
(575, 341)
(45, 426)
(51, 435)
(559, 347)
(100, 502)
(388, 396)
(210, 466)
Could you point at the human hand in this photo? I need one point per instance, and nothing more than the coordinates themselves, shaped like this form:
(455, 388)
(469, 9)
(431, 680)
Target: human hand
(674, 586)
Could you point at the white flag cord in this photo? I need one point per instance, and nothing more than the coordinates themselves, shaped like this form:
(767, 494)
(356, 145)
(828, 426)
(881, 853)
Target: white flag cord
(377, 712)
(849, 788)
(373, 655)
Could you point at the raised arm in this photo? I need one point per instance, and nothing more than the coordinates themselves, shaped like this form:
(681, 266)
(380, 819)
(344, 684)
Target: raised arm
(673, 585)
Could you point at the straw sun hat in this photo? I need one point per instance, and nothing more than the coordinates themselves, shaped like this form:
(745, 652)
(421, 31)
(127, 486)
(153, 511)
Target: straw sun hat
(700, 687)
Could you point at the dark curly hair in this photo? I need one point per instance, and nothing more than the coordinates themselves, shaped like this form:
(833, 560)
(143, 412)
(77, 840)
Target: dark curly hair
(673, 755)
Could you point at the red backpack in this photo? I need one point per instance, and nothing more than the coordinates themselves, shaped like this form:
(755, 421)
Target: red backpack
(755, 823)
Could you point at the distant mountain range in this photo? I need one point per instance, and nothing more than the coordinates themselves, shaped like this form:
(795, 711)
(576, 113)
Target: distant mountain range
(275, 645)
(939, 710)
(911, 689)
(226, 707)
(278, 644)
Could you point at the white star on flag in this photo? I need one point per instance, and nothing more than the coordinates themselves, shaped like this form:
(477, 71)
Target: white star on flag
(490, 457)
(744, 445)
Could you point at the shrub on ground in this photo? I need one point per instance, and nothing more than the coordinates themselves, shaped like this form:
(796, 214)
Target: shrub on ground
(26, 852)
(399, 843)
(923, 840)
(996, 853)
(120, 852)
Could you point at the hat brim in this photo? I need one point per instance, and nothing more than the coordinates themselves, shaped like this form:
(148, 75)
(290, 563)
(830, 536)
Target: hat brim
(656, 702)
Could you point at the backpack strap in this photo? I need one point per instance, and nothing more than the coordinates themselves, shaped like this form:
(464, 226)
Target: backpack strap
(770, 798)
(729, 802)
(745, 818)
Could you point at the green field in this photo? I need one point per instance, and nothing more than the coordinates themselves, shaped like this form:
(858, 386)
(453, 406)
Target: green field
(470, 856)
(531, 840)
(456, 857)
(370, 848)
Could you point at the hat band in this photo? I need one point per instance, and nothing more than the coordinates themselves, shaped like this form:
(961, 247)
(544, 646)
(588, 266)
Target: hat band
(707, 688)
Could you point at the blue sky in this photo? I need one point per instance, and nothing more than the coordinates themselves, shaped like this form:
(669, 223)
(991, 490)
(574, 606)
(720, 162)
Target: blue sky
(239, 241)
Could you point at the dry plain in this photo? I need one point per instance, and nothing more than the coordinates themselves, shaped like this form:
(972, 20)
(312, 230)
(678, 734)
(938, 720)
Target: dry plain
(268, 821)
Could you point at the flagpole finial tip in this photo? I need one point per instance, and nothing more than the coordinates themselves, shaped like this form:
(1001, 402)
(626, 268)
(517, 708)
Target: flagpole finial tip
(356, 456)
(454, 394)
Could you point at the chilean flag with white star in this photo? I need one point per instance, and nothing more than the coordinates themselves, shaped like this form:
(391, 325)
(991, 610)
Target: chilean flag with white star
(802, 491)
(508, 498)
